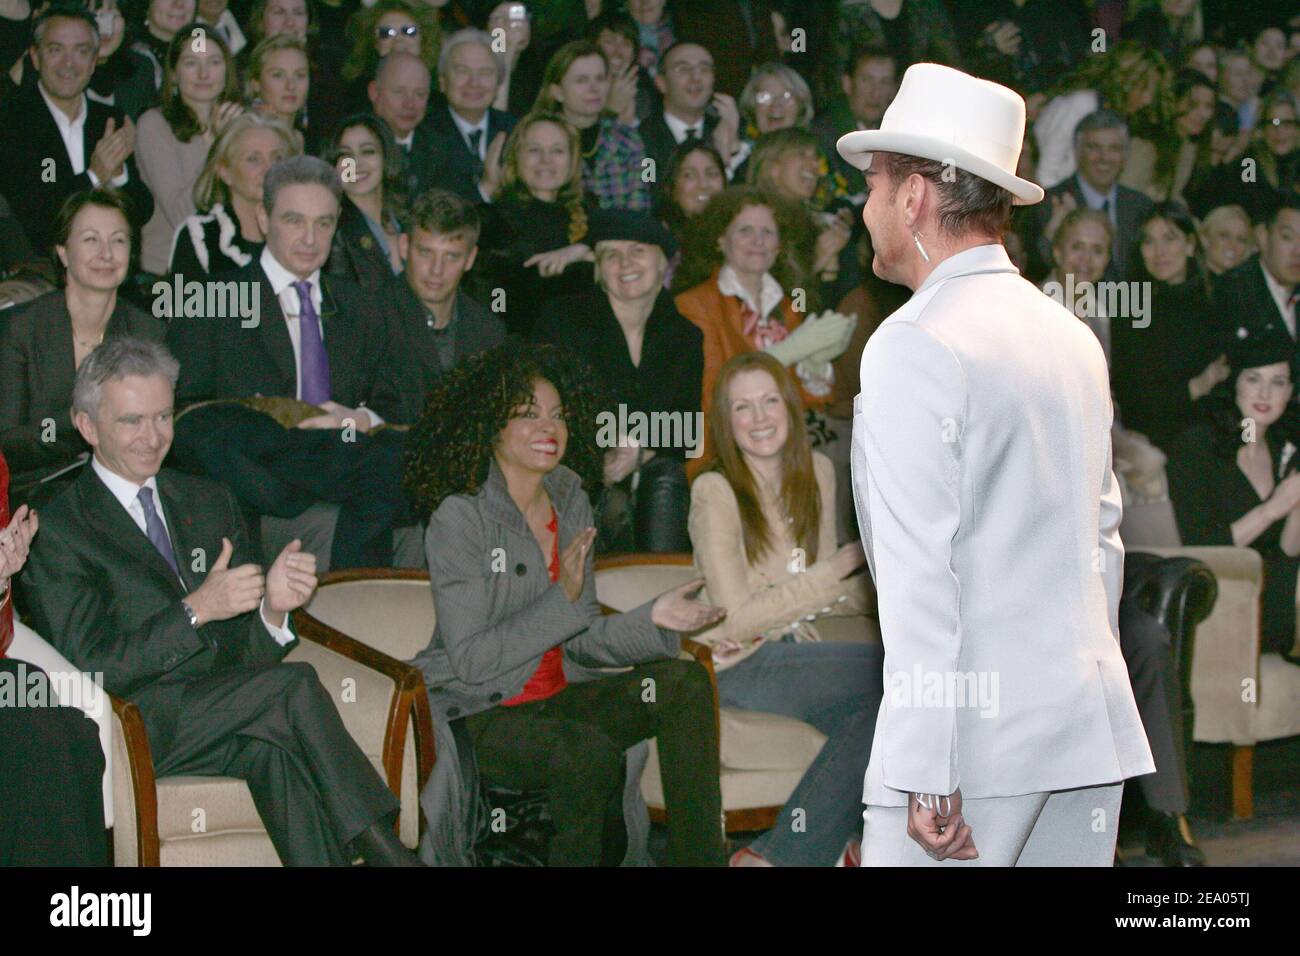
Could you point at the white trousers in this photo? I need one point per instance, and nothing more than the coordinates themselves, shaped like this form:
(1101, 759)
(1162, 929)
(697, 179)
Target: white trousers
(1060, 828)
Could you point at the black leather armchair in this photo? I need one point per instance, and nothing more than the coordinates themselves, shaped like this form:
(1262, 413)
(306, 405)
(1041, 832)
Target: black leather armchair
(1180, 594)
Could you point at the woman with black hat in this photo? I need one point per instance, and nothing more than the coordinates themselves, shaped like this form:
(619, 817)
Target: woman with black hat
(1233, 477)
(649, 360)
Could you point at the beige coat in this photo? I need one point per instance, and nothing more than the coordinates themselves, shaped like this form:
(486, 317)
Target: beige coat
(773, 597)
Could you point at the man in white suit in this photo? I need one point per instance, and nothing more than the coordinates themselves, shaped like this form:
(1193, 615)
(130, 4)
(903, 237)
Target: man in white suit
(989, 511)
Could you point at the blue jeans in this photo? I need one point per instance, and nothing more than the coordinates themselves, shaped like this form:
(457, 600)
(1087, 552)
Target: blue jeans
(837, 688)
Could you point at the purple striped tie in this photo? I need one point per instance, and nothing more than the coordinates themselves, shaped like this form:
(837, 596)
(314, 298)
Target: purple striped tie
(315, 374)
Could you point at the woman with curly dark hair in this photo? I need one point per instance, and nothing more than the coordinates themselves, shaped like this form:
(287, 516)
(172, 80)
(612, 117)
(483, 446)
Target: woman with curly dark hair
(511, 565)
(747, 290)
(1233, 477)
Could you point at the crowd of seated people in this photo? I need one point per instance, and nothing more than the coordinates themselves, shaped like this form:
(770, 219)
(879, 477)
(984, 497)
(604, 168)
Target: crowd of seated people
(438, 246)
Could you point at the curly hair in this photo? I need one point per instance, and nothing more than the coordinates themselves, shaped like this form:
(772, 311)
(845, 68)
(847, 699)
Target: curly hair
(701, 255)
(364, 55)
(450, 448)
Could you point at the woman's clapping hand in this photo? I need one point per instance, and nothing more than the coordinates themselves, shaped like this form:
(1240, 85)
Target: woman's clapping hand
(680, 609)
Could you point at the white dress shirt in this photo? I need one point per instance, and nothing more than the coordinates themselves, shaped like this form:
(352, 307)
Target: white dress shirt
(282, 281)
(729, 284)
(73, 133)
(1282, 296)
(682, 129)
(127, 493)
(466, 128)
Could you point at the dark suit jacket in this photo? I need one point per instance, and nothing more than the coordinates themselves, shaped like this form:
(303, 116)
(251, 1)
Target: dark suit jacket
(475, 330)
(721, 28)
(356, 256)
(659, 142)
(222, 359)
(28, 136)
(421, 162)
(1242, 301)
(1131, 206)
(455, 167)
(37, 369)
(103, 595)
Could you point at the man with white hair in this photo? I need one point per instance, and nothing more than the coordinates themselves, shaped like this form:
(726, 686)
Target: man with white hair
(989, 510)
(467, 132)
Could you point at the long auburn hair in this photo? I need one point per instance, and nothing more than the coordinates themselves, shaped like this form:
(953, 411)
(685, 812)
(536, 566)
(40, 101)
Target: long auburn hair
(800, 496)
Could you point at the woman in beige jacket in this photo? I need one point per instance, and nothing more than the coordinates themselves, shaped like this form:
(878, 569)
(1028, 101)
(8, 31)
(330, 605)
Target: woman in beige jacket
(762, 526)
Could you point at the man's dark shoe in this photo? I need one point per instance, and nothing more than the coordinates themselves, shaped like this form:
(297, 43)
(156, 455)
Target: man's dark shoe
(378, 845)
(1170, 840)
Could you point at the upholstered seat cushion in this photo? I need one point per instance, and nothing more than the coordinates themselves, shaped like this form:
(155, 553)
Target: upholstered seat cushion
(1279, 698)
(394, 616)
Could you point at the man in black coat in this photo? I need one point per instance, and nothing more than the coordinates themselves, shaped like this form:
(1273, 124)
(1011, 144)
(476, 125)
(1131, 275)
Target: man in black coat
(399, 95)
(314, 338)
(145, 576)
(1101, 148)
(440, 325)
(1261, 292)
(690, 109)
(54, 140)
(466, 129)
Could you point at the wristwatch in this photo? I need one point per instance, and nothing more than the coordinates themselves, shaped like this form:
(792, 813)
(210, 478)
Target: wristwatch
(189, 611)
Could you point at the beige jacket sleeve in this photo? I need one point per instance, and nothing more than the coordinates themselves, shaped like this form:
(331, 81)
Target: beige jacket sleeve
(858, 591)
(718, 541)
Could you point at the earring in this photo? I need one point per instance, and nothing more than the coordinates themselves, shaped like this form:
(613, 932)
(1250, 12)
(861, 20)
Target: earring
(920, 248)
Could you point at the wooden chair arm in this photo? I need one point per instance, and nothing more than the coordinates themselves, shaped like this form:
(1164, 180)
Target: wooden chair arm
(144, 784)
(410, 700)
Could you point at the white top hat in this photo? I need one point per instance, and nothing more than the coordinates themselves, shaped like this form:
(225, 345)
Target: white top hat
(949, 116)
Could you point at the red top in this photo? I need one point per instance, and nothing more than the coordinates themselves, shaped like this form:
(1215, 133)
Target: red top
(7, 609)
(548, 680)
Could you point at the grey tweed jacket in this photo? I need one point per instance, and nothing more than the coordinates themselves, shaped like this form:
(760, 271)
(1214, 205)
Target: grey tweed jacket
(498, 613)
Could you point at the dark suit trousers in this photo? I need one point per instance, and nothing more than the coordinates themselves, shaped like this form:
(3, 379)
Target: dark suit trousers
(364, 478)
(572, 746)
(1153, 673)
(277, 729)
(51, 798)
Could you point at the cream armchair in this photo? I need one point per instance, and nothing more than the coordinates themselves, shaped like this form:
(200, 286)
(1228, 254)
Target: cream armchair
(212, 821)
(763, 756)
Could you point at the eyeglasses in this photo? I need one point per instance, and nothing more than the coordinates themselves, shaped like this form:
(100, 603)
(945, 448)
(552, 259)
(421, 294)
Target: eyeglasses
(387, 33)
(764, 97)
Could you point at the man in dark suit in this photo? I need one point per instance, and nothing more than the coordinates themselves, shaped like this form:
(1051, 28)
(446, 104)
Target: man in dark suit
(399, 95)
(318, 339)
(441, 325)
(1100, 148)
(1262, 291)
(869, 83)
(691, 109)
(739, 33)
(144, 576)
(466, 130)
(54, 140)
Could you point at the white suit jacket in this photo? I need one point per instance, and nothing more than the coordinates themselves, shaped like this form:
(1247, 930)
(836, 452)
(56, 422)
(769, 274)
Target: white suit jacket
(989, 513)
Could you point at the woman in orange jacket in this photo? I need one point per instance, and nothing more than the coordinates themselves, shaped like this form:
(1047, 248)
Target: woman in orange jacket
(744, 275)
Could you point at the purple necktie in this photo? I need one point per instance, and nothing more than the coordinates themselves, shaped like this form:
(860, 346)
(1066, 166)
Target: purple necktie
(153, 527)
(315, 374)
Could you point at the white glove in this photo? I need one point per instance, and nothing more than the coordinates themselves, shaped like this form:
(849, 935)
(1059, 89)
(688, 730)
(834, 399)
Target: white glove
(817, 334)
(832, 352)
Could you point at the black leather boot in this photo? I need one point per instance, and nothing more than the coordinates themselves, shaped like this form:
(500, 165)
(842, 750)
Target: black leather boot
(1170, 840)
(378, 845)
